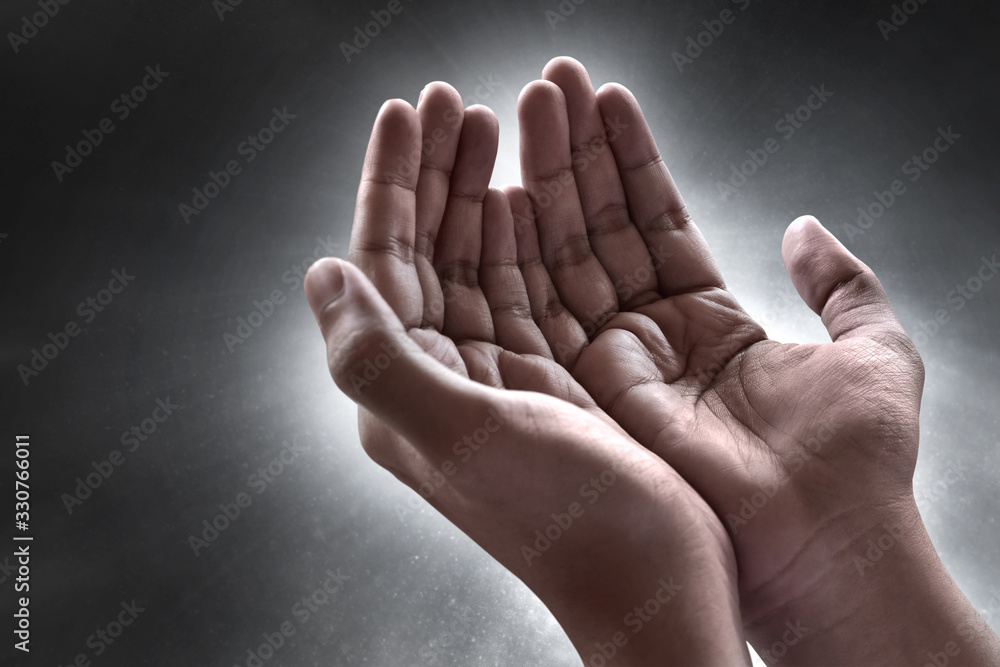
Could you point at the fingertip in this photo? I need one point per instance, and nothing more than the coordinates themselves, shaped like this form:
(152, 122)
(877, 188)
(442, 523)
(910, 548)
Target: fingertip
(512, 190)
(821, 269)
(396, 131)
(484, 114)
(806, 220)
(520, 205)
(440, 93)
(615, 101)
(798, 229)
(544, 137)
(495, 207)
(805, 230)
(480, 135)
(615, 93)
(536, 96)
(395, 109)
(802, 224)
(564, 66)
(496, 199)
(324, 284)
(804, 254)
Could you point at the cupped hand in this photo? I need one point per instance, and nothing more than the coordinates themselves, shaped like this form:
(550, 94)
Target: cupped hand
(804, 451)
(431, 332)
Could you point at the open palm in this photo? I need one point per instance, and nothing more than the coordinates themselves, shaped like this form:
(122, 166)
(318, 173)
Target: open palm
(798, 448)
(462, 399)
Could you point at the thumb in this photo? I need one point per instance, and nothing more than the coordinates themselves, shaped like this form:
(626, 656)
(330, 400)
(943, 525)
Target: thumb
(374, 361)
(838, 286)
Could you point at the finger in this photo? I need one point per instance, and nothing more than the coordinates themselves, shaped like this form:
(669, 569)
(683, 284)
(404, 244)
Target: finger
(503, 284)
(460, 239)
(440, 110)
(838, 286)
(679, 253)
(615, 241)
(375, 362)
(563, 333)
(547, 175)
(383, 234)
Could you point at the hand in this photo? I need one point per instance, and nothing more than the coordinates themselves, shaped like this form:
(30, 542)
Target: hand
(805, 451)
(461, 400)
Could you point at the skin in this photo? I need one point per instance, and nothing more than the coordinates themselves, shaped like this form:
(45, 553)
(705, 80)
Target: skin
(806, 452)
(430, 332)
(587, 310)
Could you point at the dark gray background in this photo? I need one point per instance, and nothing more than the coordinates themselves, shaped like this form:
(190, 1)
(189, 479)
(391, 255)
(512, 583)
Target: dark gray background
(331, 507)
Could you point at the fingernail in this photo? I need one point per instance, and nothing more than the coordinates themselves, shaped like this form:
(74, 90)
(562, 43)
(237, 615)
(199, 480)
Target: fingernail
(421, 96)
(324, 284)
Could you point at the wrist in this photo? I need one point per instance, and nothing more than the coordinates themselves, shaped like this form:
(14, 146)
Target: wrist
(667, 621)
(672, 601)
(873, 591)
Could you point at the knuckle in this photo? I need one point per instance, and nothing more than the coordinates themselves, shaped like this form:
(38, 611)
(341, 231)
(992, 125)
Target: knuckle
(357, 359)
